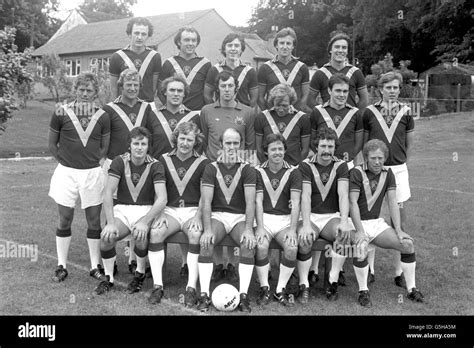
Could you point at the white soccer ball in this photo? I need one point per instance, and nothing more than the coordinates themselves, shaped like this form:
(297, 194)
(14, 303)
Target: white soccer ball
(225, 297)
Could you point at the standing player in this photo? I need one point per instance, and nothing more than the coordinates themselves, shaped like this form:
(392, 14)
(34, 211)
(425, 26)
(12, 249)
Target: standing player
(392, 122)
(338, 49)
(284, 119)
(138, 57)
(125, 113)
(138, 178)
(228, 207)
(79, 136)
(346, 120)
(183, 168)
(324, 208)
(368, 186)
(284, 68)
(232, 48)
(277, 213)
(188, 65)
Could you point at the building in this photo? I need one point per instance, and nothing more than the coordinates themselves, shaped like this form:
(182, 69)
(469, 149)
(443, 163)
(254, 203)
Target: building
(86, 44)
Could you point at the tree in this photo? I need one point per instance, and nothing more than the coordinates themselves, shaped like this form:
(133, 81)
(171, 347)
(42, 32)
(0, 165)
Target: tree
(53, 76)
(13, 73)
(120, 8)
(33, 20)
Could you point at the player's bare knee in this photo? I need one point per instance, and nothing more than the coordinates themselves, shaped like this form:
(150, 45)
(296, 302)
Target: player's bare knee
(141, 245)
(304, 249)
(407, 247)
(207, 252)
(155, 235)
(194, 237)
(290, 252)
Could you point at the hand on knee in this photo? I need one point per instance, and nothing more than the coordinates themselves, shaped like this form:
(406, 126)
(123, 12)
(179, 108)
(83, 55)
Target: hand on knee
(408, 246)
(290, 253)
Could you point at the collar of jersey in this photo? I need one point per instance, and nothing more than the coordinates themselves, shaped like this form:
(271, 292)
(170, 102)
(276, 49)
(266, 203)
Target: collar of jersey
(127, 156)
(314, 159)
(285, 165)
(275, 59)
(217, 104)
(119, 100)
(181, 109)
(175, 150)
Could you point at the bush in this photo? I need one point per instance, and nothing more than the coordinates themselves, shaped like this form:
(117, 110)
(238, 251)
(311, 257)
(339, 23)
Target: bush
(13, 74)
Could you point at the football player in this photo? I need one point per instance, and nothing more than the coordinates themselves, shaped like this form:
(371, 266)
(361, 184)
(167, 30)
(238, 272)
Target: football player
(284, 68)
(188, 65)
(138, 178)
(232, 48)
(183, 169)
(228, 207)
(369, 184)
(338, 48)
(392, 122)
(324, 209)
(277, 214)
(79, 135)
(283, 118)
(137, 56)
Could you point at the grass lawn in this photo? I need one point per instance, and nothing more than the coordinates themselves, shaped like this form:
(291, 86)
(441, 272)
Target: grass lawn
(440, 220)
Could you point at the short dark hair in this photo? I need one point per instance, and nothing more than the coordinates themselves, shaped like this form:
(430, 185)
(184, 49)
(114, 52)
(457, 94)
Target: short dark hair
(373, 145)
(272, 138)
(231, 37)
(174, 78)
(177, 38)
(337, 78)
(285, 32)
(185, 128)
(224, 76)
(140, 132)
(339, 36)
(325, 133)
(140, 21)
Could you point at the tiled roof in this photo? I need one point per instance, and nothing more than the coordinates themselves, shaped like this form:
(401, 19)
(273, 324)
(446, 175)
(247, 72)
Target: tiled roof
(111, 36)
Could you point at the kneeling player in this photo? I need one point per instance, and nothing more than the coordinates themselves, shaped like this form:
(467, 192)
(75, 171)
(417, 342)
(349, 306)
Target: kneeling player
(324, 209)
(183, 168)
(368, 186)
(277, 213)
(228, 207)
(138, 178)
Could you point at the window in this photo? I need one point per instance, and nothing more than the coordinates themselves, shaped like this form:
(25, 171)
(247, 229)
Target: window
(73, 67)
(97, 64)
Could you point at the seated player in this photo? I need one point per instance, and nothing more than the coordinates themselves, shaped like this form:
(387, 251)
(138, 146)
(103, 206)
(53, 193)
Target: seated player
(228, 207)
(183, 169)
(277, 213)
(369, 184)
(324, 208)
(138, 178)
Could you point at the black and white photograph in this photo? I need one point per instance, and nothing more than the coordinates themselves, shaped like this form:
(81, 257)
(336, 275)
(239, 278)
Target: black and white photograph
(185, 168)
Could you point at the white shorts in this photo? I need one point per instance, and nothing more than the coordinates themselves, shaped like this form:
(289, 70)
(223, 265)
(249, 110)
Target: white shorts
(182, 215)
(229, 220)
(403, 186)
(374, 227)
(67, 184)
(130, 214)
(276, 223)
(321, 220)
